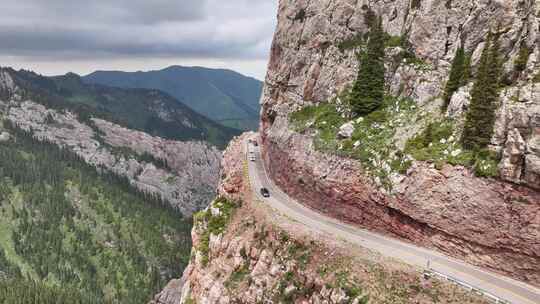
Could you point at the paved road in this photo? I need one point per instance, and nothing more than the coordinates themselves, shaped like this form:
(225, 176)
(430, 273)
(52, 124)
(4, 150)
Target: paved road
(504, 288)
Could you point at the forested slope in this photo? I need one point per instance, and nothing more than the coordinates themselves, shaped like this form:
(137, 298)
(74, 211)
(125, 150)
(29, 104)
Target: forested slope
(71, 233)
(225, 96)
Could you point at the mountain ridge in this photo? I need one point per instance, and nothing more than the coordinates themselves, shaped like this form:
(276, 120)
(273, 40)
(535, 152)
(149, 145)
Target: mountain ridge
(223, 95)
(149, 110)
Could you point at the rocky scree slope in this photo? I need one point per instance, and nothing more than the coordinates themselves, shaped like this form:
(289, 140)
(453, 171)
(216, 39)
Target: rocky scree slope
(492, 222)
(184, 174)
(244, 253)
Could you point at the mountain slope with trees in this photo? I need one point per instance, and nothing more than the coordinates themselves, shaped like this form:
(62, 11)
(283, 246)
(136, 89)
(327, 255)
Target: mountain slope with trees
(222, 95)
(151, 111)
(70, 233)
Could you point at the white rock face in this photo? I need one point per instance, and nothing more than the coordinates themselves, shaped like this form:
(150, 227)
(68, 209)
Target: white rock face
(519, 117)
(193, 167)
(460, 102)
(511, 166)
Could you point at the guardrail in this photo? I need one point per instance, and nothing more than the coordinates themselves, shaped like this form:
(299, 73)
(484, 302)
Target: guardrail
(493, 298)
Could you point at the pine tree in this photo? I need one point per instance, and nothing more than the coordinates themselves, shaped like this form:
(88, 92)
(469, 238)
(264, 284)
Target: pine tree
(480, 118)
(456, 77)
(367, 93)
(466, 69)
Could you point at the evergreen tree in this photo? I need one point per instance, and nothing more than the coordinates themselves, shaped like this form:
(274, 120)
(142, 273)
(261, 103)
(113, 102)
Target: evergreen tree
(466, 69)
(481, 114)
(520, 63)
(367, 93)
(456, 76)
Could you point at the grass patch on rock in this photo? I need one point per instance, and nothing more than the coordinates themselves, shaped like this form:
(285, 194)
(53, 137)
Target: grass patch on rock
(214, 221)
(237, 277)
(372, 141)
(438, 144)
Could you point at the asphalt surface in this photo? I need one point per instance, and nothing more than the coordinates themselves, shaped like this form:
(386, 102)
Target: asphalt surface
(497, 285)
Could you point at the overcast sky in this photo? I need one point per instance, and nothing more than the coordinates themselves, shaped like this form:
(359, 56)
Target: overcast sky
(53, 37)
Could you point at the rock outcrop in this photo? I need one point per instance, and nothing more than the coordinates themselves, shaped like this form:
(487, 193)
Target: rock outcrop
(186, 178)
(261, 257)
(494, 223)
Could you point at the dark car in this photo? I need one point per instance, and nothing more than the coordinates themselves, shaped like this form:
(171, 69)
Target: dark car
(265, 192)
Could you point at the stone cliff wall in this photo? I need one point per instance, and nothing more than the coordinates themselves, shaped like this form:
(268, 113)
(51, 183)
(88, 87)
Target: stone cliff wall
(494, 223)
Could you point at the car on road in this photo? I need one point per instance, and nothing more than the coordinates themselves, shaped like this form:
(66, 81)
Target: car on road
(265, 192)
(252, 158)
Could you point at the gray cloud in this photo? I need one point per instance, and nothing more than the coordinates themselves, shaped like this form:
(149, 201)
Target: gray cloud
(97, 29)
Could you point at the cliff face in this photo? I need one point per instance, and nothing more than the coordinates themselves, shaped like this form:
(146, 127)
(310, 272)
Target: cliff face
(182, 173)
(245, 253)
(491, 222)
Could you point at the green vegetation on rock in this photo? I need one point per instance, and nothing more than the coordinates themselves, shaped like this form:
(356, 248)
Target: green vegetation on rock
(367, 92)
(72, 234)
(480, 117)
(437, 144)
(520, 64)
(459, 75)
(372, 141)
(213, 222)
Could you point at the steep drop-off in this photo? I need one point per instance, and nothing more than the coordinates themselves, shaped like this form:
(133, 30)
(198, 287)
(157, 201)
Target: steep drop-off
(492, 222)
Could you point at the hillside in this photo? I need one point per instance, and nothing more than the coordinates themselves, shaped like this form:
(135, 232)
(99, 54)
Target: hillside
(151, 111)
(222, 95)
(72, 234)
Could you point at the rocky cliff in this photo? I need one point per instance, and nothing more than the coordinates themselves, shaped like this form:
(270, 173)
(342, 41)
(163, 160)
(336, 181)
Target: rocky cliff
(245, 253)
(183, 173)
(492, 222)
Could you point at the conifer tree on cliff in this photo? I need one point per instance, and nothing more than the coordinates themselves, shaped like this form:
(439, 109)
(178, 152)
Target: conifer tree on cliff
(367, 93)
(480, 118)
(455, 80)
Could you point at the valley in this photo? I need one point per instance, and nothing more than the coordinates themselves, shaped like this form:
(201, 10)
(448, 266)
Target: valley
(96, 210)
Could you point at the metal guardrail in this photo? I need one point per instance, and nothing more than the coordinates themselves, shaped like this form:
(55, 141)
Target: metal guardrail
(493, 298)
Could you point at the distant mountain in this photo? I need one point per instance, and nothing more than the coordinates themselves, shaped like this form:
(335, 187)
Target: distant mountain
(222, 95)
(148, 110)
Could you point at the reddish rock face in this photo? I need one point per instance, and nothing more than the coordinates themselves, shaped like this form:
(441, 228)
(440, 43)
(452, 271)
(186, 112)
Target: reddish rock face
(491, 223)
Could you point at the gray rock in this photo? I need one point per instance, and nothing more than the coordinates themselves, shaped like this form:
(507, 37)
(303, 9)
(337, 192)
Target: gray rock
(346, 130)
(511, 166)
(4, 136)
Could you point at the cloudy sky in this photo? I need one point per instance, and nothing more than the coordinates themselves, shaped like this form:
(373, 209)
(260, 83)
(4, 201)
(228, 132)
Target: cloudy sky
(57, 36)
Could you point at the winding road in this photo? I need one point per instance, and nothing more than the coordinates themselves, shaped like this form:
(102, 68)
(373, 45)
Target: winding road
(494, 286)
